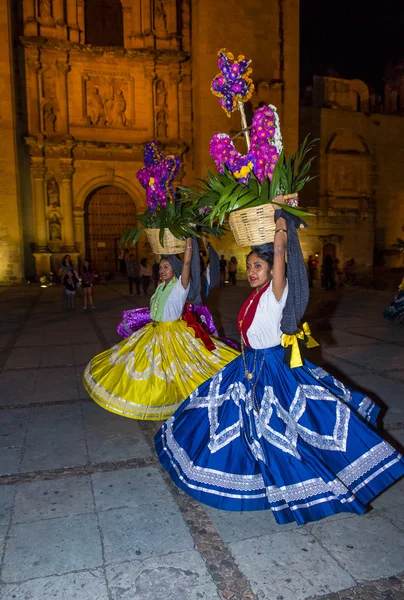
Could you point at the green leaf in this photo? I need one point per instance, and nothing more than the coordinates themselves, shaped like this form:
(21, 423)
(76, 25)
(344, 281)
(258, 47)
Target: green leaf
(294, 211)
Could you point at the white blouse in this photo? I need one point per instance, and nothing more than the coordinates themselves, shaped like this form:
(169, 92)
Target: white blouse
(175, 302)
(265, 330)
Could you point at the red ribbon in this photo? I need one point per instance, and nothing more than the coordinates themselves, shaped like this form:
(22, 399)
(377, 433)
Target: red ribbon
(247, 313)
(191, 321)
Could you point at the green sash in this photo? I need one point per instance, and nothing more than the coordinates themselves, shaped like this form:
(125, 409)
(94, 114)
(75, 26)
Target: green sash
(159, 299)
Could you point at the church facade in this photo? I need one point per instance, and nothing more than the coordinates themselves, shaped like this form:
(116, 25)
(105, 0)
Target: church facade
(358, 193)
(87, 83)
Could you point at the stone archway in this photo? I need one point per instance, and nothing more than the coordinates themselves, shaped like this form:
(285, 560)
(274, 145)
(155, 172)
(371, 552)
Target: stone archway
(109, 211)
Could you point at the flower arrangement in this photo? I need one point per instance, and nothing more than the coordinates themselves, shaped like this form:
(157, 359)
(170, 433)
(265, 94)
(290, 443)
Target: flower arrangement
(164, 212)
(157, 176)
(256, 178)
(264, 172)
(233, 84)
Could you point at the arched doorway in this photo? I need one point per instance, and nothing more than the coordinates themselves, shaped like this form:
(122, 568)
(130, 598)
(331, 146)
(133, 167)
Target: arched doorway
(330, 249)
(109, 212)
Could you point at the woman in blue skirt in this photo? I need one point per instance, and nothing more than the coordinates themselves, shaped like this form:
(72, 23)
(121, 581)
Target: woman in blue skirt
(269, 431)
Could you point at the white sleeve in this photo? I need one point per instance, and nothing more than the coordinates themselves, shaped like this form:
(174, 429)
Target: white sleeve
(272, 297)
(175, 302)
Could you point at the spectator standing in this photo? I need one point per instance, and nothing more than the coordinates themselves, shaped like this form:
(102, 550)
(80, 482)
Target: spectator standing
(87, 278)
(233, 270)
(329, 275)
(145, 274)
(132, 272)
(156, 275)
(311, 268)
(69, 289)
(66, 266)
(222, 266)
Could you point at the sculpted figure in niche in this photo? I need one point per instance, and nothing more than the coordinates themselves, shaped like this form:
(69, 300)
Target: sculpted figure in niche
(49, 84)
(49, 118)
(115, 110)
(95, 107)
(160, 17)
(161, 122)
(161, 93)
(45, 11)
(55, 229)
(52, 190)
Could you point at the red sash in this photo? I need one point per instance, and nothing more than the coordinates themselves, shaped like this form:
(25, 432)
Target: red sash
(247, 313)
(191, 321)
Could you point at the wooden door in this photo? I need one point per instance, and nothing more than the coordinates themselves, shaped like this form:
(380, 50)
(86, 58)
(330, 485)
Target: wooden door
(110, 212)
(330, 249)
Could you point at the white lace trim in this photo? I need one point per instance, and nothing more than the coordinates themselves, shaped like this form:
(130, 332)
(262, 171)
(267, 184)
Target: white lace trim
(339, 487)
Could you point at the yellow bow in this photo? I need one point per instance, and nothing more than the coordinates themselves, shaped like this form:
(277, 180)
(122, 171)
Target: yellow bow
(311, 342)
(292, 340)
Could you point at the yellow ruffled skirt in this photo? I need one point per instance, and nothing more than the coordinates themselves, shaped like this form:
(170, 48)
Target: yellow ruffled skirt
(149, 375)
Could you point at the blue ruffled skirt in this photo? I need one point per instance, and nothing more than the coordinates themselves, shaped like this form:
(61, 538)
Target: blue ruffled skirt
(303, 444)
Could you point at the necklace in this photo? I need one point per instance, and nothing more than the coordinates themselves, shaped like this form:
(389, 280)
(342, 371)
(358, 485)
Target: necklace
(240, 323)
(250, 375)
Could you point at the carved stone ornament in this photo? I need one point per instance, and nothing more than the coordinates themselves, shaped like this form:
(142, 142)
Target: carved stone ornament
(161, 93)
(66, 172)
(161, 124)
(55, 227)
(45, 12)
(49, 118)
(38, 171)
(108, 101)
(175, 78)
(52, 192)
(159, 18)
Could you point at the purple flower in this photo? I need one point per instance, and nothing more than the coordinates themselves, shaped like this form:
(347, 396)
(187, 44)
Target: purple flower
(232, 84)
(157, 176)
(262, 156)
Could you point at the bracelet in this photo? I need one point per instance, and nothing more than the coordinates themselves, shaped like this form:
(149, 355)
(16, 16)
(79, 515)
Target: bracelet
(284, 230)
(189, 247)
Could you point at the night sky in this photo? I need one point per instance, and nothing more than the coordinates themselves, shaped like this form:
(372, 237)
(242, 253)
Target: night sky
(352, 37)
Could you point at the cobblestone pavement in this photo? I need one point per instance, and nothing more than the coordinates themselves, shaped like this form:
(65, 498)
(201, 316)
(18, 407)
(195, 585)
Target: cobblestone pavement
(87, 513)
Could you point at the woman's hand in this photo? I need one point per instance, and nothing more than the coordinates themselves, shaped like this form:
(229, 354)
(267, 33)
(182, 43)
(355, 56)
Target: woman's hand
(279, 199)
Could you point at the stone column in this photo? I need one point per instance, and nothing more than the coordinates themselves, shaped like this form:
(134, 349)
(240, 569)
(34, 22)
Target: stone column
(78, 214)
(58, 11)
(66, 199)
(173, 106)
(81, 19)
(29, 15)
(137, 40)
(127, 22)
(74, 33)
(149, 82)
(38, 190)
(147, 23)
(171, 10)
(62, 124)
(32, 67)
(186, 25)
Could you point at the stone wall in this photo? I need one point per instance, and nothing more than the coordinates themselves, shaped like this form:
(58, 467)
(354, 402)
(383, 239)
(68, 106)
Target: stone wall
(358, 170)
(87, 111)
(11, 235)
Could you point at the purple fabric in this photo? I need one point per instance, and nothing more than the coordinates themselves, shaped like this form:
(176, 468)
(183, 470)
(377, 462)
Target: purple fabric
(133, 320)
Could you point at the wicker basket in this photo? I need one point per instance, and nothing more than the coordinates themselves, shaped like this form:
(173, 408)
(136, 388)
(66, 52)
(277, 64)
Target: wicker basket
(171, 245)
(253, 226)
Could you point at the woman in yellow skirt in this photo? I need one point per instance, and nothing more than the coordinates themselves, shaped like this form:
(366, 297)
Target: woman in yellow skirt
(148, 375)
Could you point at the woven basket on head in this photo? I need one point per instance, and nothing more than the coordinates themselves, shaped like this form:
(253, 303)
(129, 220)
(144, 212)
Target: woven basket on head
(171, 245)
(253, 226)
